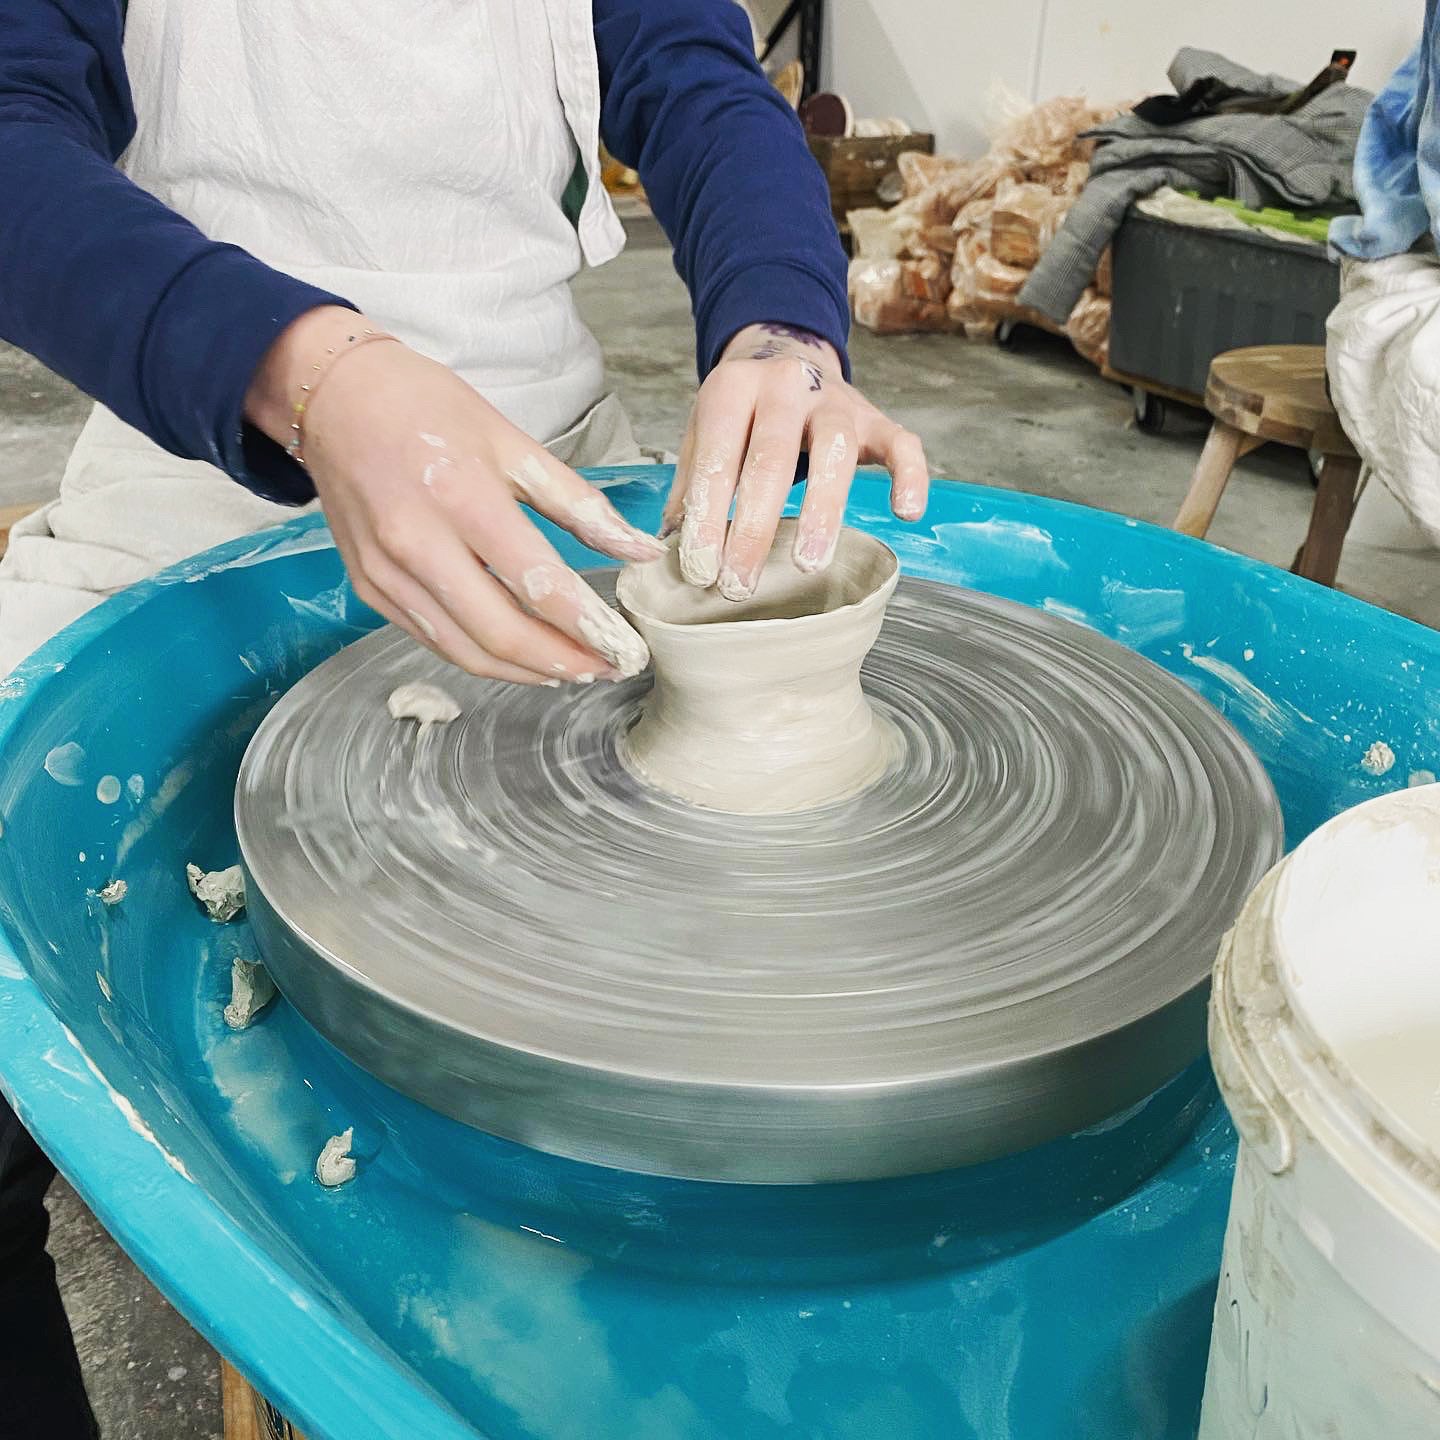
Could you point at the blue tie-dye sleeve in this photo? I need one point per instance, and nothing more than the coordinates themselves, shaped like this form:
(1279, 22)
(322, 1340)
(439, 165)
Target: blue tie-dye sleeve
(1397, 162)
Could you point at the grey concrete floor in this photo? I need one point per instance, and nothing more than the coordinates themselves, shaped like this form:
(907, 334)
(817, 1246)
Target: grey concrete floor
(1039, 420)
(39, 418)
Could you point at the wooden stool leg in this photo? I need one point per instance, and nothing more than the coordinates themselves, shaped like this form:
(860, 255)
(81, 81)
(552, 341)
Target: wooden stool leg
(242, 1417)
(1319, 556)
(1217, 460)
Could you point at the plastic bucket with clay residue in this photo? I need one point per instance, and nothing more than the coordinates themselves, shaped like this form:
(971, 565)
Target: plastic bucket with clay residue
(1325, 1033)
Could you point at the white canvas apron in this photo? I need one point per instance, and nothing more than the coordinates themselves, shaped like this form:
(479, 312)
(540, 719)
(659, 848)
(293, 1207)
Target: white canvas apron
(1383, 356)
(410, 158)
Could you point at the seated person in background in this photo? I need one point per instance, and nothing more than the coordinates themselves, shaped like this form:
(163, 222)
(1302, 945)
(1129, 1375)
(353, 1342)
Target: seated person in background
(1383, 350)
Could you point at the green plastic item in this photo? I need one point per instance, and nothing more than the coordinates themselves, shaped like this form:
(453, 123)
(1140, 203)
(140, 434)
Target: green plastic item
(1309, 226)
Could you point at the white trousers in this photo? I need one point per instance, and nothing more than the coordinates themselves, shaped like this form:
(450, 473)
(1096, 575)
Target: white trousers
(1383, 356)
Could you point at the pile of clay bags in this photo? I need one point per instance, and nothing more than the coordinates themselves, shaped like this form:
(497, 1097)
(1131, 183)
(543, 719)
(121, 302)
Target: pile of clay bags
(954, 252)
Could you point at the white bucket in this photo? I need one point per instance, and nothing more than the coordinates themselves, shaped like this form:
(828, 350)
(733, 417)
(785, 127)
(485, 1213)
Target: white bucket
(1325, 1034)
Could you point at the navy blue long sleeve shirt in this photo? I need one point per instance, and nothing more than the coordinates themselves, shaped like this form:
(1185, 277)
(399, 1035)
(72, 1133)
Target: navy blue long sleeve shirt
(113, 290)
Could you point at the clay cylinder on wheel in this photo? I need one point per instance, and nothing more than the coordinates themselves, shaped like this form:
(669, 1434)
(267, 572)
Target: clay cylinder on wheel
(757, 706)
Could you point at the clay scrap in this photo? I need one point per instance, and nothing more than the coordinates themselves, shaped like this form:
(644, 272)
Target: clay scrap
(220, 892)
(336, 1166)
(428, 704)
(251, 990)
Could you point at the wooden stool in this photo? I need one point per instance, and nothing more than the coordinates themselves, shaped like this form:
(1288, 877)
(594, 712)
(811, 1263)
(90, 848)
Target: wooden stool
(1276, 392)
(247, 1416)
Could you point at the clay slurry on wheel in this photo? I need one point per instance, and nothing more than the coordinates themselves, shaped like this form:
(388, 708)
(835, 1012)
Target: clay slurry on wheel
(1004, 939)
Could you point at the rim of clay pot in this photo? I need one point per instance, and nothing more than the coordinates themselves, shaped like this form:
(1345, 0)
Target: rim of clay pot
(863, 570)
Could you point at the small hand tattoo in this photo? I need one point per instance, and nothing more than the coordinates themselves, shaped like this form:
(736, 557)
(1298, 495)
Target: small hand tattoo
(794, 332)
(772, 349)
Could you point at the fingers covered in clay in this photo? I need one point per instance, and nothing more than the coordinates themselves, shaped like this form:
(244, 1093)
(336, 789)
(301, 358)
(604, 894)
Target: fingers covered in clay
(417, 612)
(765, 481)
(903, 454)
(674, 510)
(593, 638)
(834, 451)
(777, 391)
(723, 415)
(433, 580)
(422, 494)
(559, 494)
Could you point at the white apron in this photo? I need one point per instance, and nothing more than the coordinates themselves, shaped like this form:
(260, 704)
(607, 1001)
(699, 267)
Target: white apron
(1383, 356)
(410, 158)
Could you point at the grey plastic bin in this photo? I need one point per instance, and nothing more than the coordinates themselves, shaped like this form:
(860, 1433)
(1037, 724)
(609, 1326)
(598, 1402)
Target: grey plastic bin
(1183, 295)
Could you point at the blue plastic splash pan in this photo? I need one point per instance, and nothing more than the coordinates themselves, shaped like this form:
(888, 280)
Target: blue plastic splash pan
(463, 1285)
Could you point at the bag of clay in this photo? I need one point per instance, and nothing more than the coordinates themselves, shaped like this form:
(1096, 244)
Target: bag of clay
(975, 322)
(1023, 222)
(904, 317)
(915, 226)
(919, 171)
(893, 296)
(882, 234)
(927, 278)
(935, 240)
(872, 283)
(1044, 134)
(1089, 327)
(978, 275)
(995, 280)
(1066, 180)
(977, 314)
(1105, 273)
(973, 220)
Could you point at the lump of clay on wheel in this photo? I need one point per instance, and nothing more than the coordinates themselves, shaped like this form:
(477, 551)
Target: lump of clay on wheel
(221, 892)
(428, 704)
(251, 990)
(335, 1166)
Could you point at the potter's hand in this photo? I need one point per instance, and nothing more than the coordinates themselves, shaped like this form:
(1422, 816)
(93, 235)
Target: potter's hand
(420, 480)
(777, 391)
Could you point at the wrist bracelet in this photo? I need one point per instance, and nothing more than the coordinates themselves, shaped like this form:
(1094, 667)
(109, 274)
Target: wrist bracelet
(294, 447)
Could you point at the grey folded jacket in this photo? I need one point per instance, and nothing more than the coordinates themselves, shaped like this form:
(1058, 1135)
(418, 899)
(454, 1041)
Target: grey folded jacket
(1302, 161)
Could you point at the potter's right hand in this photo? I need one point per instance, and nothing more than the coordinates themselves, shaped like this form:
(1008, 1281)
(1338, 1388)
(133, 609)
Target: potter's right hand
(421, 481)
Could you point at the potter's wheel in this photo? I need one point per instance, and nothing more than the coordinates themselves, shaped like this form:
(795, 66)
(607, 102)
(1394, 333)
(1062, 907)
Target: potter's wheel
(1005, 940)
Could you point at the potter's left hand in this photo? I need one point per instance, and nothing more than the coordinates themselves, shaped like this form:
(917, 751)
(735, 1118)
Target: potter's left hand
(775, 392)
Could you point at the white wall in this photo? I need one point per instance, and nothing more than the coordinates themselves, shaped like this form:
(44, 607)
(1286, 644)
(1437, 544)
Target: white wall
(933, 62)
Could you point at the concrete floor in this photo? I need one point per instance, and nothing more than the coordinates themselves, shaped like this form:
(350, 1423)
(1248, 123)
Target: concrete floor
(1038, 420)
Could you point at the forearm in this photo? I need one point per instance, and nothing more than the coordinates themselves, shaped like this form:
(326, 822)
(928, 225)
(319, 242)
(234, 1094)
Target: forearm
(726, 168)
(104, 283)
(133, 305)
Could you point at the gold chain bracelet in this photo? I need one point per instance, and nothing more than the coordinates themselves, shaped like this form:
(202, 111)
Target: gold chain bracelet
(320, 371)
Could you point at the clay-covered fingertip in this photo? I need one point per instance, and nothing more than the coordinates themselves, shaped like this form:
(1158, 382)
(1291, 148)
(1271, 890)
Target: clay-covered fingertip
(733, 587)
(699, 565)
(811, 554)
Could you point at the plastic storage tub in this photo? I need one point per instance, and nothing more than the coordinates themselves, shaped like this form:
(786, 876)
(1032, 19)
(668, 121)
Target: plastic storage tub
(1325, 1034)
(1183, 295)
